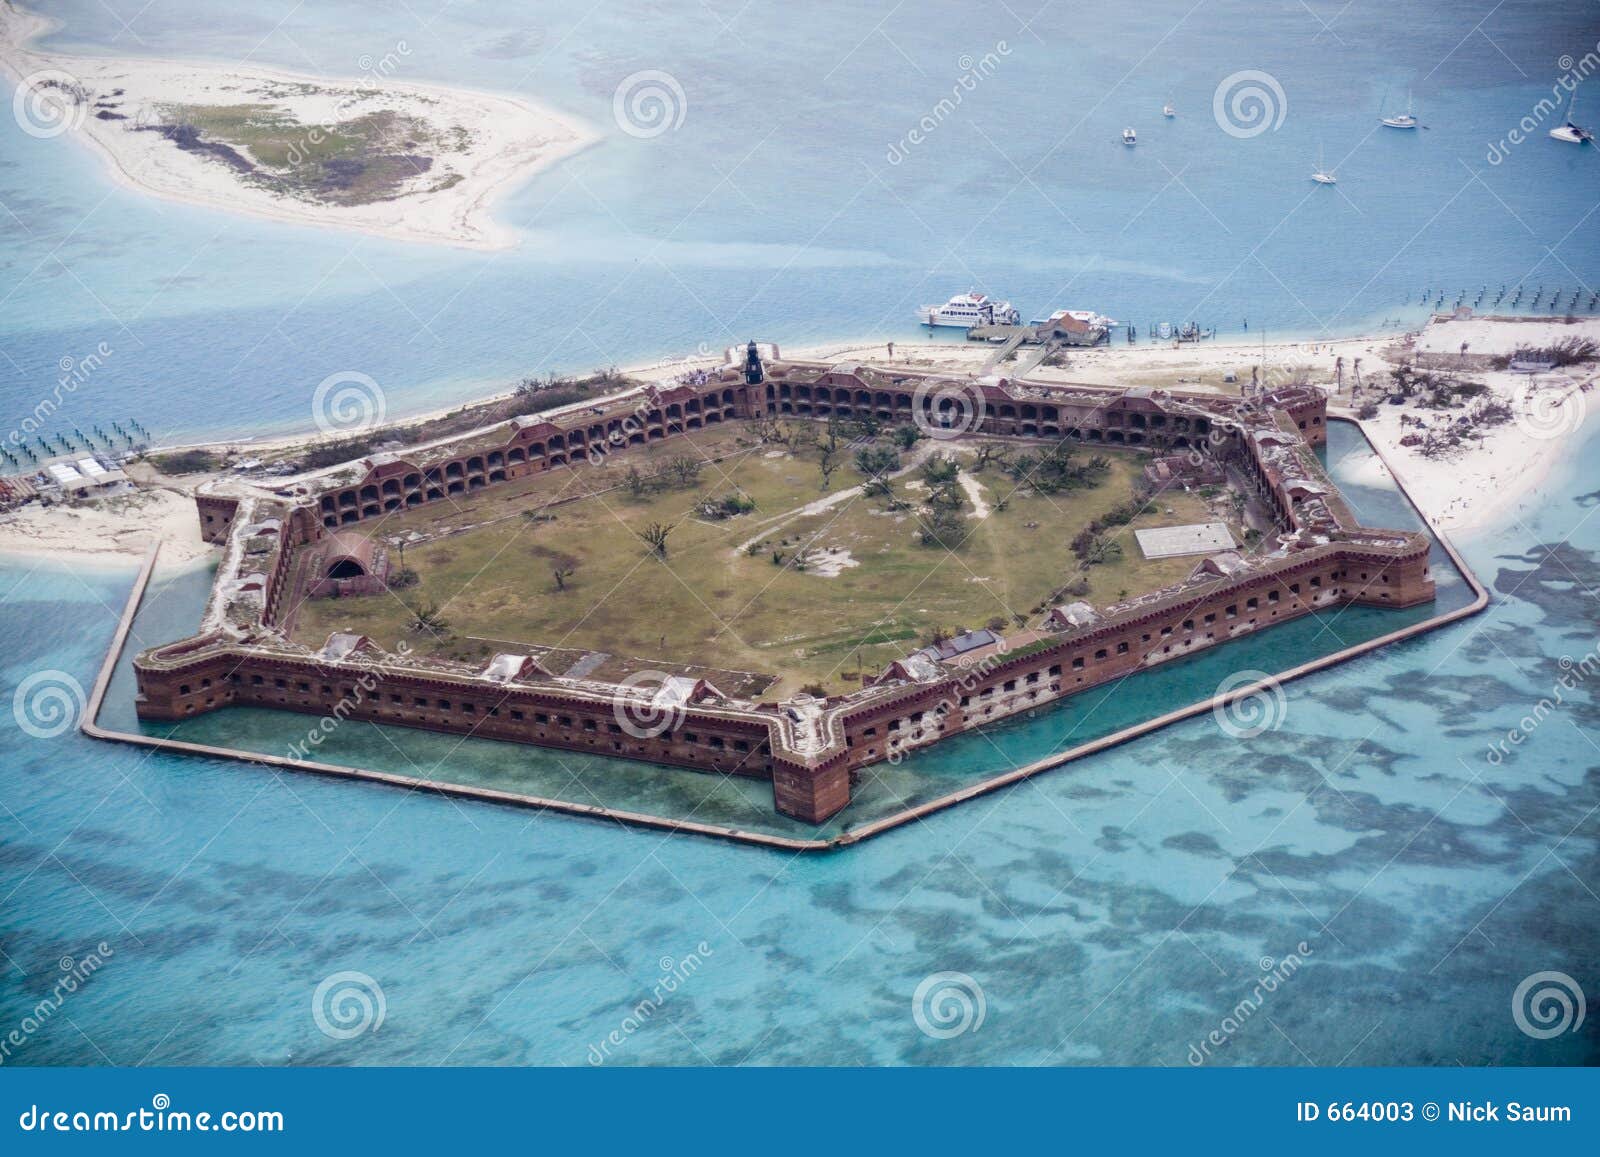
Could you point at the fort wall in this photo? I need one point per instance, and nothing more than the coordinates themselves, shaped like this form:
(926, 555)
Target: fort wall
(808, 757)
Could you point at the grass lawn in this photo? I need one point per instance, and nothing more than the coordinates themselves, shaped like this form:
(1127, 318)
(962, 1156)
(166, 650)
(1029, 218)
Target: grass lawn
(863, 591)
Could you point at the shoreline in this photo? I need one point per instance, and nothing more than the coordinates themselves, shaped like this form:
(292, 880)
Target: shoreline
(512, 139)
(1470, 492)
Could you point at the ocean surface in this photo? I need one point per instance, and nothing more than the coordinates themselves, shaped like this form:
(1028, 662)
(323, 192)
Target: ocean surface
(1368, 881)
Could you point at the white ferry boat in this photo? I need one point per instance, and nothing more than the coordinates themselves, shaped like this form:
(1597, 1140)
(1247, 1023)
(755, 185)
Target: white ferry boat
(965, 310)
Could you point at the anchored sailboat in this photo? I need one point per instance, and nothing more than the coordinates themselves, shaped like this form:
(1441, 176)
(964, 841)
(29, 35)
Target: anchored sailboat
(1403, 120)
(1322, 175)
(1570, 131)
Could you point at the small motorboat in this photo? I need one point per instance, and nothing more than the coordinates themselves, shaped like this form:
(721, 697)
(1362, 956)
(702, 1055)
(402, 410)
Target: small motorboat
(1129, 137)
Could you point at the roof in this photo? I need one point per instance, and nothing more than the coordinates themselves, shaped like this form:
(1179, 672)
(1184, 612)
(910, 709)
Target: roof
(959, 645)
(1176, 541)
(343, 644)
(1079, 614)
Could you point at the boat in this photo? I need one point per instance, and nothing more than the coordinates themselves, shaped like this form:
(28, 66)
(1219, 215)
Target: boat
(1323, 175)
(1168, 111)
(965, 310)
(1403, 120)
(1569, 130)
(1129, 137)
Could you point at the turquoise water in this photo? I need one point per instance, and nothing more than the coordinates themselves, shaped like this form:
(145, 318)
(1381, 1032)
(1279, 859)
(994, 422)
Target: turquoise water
(1111, 912)
(773, 209)
(887, 789)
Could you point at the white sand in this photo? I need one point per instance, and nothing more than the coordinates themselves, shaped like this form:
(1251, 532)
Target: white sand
(1477, 486)
(109, 530)
(503, 139)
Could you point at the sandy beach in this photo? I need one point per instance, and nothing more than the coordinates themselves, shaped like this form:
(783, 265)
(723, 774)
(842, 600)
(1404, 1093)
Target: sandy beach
(1478, 484)
(114, 531)
(111, 105)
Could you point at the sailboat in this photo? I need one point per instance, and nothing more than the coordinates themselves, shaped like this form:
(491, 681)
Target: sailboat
(1403, 120)
(1323, 175)
(1570, 131)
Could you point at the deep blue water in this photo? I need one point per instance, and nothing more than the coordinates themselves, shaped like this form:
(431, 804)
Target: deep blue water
(1115, 911)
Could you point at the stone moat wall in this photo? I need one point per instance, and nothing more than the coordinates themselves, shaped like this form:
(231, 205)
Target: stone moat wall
(810, 781)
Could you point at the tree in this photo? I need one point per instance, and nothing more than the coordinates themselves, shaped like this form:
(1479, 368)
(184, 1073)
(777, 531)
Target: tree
(990, 453)
(942, 525)
(561, 573)
(425, 616)
(877, 461)
(940, 470)
(1102, 549)
(655, 536)
(686, 470)
(907, 436)
(635, 481)
(828, 464)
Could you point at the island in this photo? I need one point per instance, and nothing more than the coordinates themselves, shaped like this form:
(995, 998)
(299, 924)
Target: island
(378, 154)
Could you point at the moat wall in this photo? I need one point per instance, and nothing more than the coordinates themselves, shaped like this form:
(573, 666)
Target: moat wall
(810, 781)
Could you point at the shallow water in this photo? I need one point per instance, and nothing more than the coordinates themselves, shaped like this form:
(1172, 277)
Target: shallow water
(774, 211)
(1116, 911)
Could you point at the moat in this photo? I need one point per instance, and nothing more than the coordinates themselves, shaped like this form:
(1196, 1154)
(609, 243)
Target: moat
(902, 725)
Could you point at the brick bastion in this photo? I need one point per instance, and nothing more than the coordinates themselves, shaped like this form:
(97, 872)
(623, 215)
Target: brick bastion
(305, 536)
